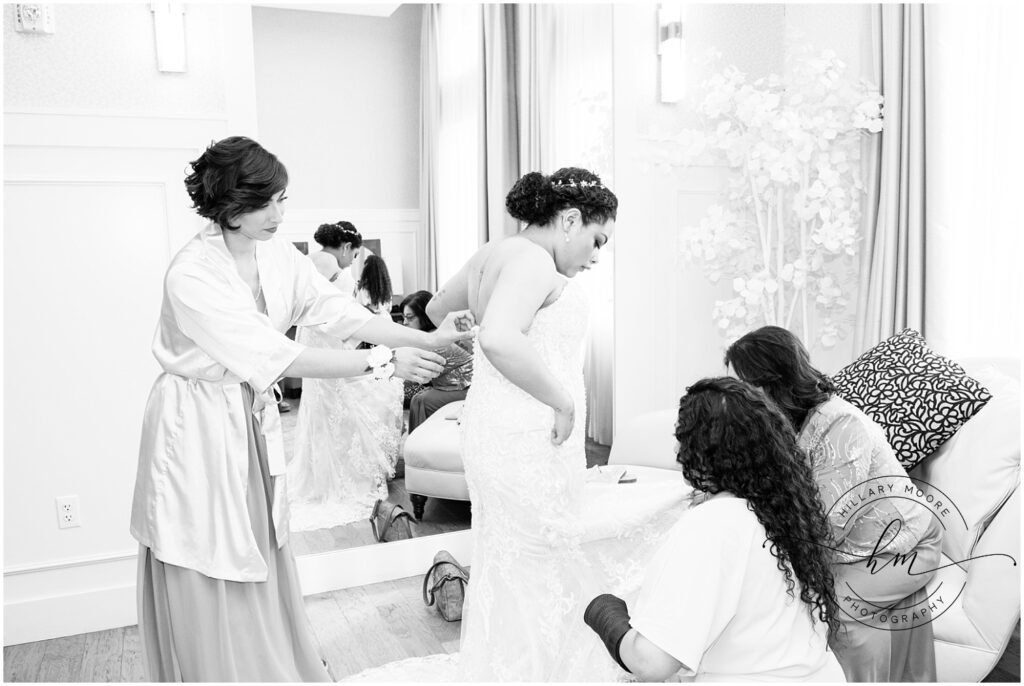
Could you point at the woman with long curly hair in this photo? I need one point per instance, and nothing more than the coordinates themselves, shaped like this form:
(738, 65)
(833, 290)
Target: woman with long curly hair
(848, 452)
(742, 588)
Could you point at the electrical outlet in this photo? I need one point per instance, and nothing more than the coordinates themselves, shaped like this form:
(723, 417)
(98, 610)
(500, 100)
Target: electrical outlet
(33, 18)
(67, 512)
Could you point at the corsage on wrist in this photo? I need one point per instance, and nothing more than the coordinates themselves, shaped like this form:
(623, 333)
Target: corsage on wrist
(381, 361)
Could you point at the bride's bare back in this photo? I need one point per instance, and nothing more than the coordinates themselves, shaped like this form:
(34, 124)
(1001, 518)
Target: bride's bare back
(516, 262)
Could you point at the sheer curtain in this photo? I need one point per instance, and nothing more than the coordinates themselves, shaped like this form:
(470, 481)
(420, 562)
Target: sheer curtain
(974, 152)
(452, 205)
(509, 89)
(469, 131)
(580, 97)
(943, 240)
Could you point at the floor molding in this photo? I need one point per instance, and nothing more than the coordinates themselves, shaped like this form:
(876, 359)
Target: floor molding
(106, 599)
(338, 569)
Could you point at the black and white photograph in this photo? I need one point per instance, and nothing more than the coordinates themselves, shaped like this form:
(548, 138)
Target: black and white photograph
(528, 342)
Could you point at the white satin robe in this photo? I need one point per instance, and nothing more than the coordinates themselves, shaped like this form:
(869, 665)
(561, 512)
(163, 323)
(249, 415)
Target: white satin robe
(189, 506)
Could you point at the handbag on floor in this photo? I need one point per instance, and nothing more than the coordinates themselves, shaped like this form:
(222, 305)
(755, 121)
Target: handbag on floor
(445, 586)
(390, 522)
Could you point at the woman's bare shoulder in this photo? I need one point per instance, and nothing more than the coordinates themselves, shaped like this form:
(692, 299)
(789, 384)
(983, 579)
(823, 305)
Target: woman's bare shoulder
(495, 255)
(323, 259)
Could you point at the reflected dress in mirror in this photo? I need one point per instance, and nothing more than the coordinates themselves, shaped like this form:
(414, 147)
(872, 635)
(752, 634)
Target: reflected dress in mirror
(347, 441)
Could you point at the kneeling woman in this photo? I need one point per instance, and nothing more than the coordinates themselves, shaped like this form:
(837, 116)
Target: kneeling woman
(741, 589)
(847, 448)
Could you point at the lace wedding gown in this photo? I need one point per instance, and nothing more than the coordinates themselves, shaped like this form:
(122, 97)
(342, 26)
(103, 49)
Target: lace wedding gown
(546, 541)
(347, 441)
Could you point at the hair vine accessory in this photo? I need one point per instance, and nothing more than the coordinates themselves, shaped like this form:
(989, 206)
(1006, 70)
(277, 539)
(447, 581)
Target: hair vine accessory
(573, 183)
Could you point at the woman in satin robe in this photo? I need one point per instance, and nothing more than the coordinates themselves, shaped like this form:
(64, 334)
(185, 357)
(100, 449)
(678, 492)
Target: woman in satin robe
(218, 592)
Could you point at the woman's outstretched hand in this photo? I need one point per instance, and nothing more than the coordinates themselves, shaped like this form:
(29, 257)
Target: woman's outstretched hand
(457, 326)
(418, 366)
(565, 417)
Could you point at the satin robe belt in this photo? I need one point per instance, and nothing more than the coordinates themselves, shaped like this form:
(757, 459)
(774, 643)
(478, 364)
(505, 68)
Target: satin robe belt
(264, 408)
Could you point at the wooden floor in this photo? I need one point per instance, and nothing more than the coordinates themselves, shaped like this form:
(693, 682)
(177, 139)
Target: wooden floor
(103, 656)
(358, 628)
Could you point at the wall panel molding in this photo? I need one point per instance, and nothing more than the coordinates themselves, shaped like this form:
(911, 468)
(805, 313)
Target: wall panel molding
(76, 129)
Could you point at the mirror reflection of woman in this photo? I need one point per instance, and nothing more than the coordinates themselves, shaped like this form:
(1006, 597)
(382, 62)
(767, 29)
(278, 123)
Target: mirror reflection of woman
(450, 385)
(219, 596)
(340, 245)
(349, 431)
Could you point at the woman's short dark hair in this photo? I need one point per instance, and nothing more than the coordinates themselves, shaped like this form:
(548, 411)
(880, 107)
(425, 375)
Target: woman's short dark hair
(234, 176)
(537, 199)
(417, 302)
(776, 361)
(376, 281)
(336, 235)
(733, 438)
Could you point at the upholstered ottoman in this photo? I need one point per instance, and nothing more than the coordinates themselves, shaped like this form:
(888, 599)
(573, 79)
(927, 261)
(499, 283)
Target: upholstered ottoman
(433, 459)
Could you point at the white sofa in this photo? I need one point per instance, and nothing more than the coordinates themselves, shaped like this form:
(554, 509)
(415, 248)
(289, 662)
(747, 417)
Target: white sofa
(433, 459)
(979, 469)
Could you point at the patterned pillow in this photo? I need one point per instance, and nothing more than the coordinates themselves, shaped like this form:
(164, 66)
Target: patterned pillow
(919, 397)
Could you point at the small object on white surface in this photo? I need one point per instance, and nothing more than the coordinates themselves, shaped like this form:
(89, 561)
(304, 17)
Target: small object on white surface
(609, 474)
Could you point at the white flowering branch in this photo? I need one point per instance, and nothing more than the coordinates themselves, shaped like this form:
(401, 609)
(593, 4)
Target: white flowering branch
(787, 231)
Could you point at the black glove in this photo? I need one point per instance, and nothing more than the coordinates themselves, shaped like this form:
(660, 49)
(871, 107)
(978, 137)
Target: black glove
(608, 617)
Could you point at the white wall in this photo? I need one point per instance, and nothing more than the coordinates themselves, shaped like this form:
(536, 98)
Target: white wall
(338, 102)
(96, 141)
(664, 336)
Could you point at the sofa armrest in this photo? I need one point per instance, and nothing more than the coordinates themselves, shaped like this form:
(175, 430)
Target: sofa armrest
(648, 440)
(992, 595)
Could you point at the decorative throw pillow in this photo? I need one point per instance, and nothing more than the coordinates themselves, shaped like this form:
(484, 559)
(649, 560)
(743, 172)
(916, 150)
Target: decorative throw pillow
(919, 397)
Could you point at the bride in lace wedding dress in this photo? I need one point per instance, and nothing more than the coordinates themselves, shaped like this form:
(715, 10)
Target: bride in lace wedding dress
(545, 540)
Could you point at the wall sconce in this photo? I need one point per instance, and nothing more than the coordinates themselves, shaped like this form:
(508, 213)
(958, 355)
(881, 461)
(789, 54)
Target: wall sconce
(169, 22)
(671, 51)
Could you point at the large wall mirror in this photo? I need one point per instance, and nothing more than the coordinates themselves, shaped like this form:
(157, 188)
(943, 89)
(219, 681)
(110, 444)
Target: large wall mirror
(339, 98)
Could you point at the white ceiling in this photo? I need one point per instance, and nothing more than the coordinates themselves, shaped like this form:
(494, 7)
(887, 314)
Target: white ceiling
(376, 9)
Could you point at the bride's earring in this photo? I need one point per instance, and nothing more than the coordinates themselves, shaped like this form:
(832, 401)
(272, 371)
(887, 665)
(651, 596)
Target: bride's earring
(567, 239)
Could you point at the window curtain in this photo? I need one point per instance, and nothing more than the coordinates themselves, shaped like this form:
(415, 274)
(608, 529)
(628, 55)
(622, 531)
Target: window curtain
(430, 116)
(891, 292)
(469, 132)
(973, 297)
(579, 97)
(509, 89)
(942, 237)
(500, 117)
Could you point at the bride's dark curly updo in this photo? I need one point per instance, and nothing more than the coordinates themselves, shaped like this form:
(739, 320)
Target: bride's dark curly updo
(733, 438)
(537, 199)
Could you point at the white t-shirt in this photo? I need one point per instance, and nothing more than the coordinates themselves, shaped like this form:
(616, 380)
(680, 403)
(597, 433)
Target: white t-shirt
(714, 598)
